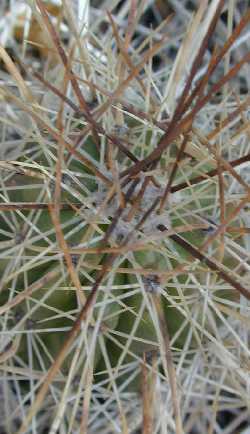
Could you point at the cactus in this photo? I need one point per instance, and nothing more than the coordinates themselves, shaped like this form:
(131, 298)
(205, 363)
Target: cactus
(124, 218)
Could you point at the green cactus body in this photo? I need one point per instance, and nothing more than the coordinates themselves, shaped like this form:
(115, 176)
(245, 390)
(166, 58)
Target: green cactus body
(150, 148)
